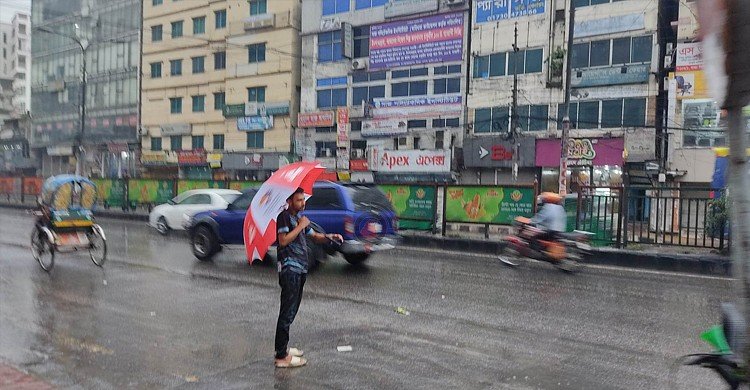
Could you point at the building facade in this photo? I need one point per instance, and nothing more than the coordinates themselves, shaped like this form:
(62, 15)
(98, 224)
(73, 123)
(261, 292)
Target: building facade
(109, 32)
(384, 87)
(220, 87)
(612, 97)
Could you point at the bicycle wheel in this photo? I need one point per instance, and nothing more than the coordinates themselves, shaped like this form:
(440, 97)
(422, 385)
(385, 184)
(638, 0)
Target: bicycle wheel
(97, 247)
(42, 250)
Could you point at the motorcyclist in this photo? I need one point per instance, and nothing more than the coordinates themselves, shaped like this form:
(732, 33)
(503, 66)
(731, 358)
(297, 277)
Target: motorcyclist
(550, 220)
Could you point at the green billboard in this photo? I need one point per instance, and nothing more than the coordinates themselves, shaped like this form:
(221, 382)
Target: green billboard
(497, 205)
(110, 192)
(415, 205)
(150, 191)
(241, 185)
(187, 185)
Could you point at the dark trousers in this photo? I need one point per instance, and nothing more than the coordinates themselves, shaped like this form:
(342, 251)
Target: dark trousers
(291, 296)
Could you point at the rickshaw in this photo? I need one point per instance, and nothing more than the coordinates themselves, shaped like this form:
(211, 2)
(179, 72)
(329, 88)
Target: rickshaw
(65, 222)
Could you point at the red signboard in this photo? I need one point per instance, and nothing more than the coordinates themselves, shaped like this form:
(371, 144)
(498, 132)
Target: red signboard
(499, 153)
(191, 157)
(330, 176)
(316, 119)
(358, 165)
(32, 185)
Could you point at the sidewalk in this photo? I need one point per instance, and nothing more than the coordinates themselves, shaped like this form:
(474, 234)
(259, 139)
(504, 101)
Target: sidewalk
(13, 379)
(463, 239)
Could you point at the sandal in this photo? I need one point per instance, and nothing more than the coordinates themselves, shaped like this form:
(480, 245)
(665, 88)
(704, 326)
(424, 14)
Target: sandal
(295, 361)
(296, 352)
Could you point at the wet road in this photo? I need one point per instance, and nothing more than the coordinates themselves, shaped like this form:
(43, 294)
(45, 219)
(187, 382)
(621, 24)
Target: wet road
(155, 317)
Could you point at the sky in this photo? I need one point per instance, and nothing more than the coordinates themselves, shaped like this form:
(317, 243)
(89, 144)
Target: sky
(8, 8)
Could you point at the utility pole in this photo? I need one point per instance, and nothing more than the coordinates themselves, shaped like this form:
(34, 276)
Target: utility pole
(514, 108)
(563, 178)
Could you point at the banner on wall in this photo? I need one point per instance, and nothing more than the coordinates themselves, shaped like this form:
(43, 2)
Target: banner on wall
(490, 205)
(426, 40)
(111, 192)
(150, 191)
(691, 83)
(418, 107)
(494, 10)
(187, 185)
(414, 205)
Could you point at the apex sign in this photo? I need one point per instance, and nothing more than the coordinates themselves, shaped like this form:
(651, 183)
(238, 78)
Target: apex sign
(410, 160)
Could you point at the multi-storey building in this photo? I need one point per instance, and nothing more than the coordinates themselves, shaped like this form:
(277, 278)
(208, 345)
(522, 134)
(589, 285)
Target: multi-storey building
(613, 94)
(220, 87)
(383, 87)
(109, 34)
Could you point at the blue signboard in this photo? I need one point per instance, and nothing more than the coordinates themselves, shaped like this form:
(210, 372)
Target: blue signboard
(616, 75)
(253, 123)
(494, 10)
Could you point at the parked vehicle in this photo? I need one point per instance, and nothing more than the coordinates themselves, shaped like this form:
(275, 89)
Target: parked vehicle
(174, 214)
(360, 213)
(564, 253)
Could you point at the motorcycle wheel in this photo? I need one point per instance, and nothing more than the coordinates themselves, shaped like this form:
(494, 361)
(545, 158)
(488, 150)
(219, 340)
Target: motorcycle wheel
(507, 256)
(572, 262)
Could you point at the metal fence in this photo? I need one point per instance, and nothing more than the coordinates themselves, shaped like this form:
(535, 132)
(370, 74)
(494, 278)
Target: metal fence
(691, 217)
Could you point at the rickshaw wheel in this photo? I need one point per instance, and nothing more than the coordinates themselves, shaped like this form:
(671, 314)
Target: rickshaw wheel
(97, 248)
(42, 250)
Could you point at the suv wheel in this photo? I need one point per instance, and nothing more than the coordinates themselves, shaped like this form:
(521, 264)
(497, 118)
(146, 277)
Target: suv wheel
(356, 258)
(204, 243)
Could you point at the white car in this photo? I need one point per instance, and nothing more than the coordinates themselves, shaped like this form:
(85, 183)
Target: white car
(175, 213)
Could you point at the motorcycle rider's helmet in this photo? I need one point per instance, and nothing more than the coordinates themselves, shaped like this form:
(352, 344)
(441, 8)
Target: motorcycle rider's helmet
(550, 197)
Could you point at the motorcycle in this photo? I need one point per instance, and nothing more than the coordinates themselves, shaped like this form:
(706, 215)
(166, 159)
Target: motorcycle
(565, 252)
(728, 340)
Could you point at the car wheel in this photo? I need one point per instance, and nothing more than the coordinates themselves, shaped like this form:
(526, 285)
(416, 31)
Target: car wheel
(162, 227)
(356, 258)
(204, 243)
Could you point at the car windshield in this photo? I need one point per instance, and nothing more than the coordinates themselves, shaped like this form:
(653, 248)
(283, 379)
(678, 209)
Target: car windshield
(369, 198)
(229, 198)
(243, 201)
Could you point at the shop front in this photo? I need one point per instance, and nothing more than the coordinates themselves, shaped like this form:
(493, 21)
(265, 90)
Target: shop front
(493, 159)
(252, 166)
(159, 164)
(591, 161)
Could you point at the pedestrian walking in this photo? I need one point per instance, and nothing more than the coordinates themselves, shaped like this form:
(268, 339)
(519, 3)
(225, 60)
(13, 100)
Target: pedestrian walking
(293, 231)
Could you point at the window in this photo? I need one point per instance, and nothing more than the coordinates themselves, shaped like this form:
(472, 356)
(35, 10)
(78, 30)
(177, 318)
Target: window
(538, 118)
(367, 94)
(199, 64)
(157, 2)
(397, 74)
(220, 19)
(155, 70)
(330, 47)
(410, 88)
(635, 112)
(256, 53)
(199, 25)
(218, 141)
(491, 120)
(363, 77)
(504, 64)
(482, 67)
(585, 3)
(175, 105)
(611, 113)
(197, 142)
(497, 64)
(356, 126)
(177, 29)
(361, 41)
(331, 7)
(258, 7)
(156, 144)
(416, 124)
(533, 61)
(199, 199)
(588, 115)
(199, 103)
(219, 101)
(330, 129)
(325, 149)
(156, 33)
(626, 50)
(362, 4)
(452, 122)
(256, 94)
(175, 142)
(358, 149)
(220, 60)
(702, 124)
(449, 69)
(255, 140)
(443, 86)
(439, 140)
(324, 199)
(333, 96)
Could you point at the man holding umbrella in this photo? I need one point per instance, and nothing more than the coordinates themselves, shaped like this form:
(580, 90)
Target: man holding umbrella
(293, 231)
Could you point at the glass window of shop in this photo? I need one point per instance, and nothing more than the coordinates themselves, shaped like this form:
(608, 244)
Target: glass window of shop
(581, 176)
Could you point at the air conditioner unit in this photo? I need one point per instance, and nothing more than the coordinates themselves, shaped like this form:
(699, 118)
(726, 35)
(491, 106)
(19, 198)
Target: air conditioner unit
(455, 2)
(359, 64)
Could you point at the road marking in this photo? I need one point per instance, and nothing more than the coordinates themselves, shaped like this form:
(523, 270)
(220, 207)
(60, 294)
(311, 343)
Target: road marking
(586, 265)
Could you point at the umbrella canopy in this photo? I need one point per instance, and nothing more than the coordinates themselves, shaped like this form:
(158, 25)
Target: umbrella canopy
(259, 229)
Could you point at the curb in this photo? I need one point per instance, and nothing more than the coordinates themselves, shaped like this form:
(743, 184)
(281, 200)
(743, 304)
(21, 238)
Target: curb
(674, 262)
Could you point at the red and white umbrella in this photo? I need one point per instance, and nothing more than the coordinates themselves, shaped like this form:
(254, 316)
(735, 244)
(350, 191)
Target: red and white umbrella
(259, 229)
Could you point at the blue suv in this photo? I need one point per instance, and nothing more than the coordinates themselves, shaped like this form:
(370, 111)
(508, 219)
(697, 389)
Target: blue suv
(360, 213)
